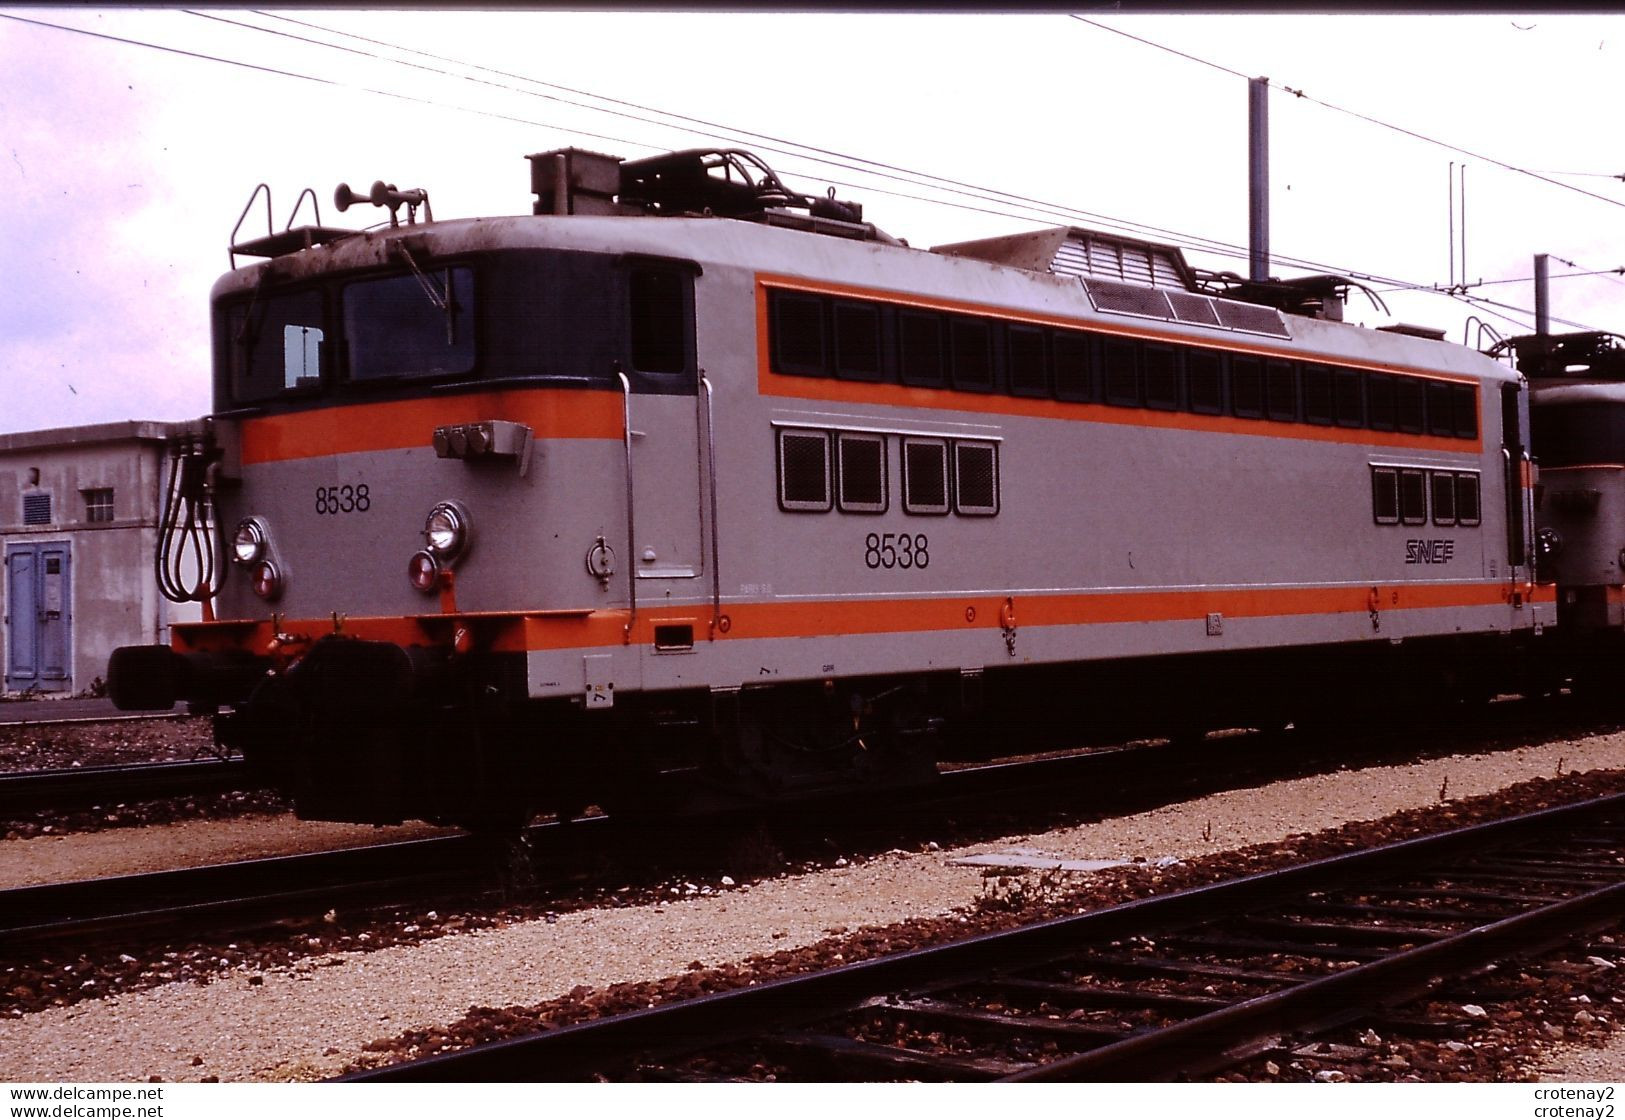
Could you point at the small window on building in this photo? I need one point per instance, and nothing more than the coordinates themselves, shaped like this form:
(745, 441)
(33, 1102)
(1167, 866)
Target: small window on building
(1413, 497)
(1318, 407)
(1074, 379)
(798, 334)
(1410, 393)
(1161, 366)
(1382, 402)
(925, 476)
(1443, 485)
(1467, 509)
(1385, 495)
(976, 478)
(1025, 357)
(1347, 402)
(1121, 361)
(857, 342)
(860, 460)
(98, 505)
(1204, 382)
(804, 471)
(1247, 387)
(971, 348)
(919, 348)
(36, 509)
(1281, 388)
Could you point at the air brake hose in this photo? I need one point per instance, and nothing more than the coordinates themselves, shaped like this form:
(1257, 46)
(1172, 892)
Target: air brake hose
(185, 559)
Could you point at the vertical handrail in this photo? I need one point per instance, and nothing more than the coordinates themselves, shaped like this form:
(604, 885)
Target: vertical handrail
(1526, 468)
(631, 519)
(711, 474)
(231, 245)
(1515, 519)
(300, 201)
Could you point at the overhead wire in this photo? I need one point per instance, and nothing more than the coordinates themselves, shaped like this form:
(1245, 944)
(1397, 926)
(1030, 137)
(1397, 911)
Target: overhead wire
(1586, 174)
(918, 180)
(847, 161)
(843, 160)
(1603, 272)
(1413, 134)
(781, 146)
(1194, 242)
(1608, 273)
(397, 95)
(823, 156)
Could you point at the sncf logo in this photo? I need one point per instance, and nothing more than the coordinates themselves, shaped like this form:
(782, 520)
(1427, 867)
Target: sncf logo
(1429, 552)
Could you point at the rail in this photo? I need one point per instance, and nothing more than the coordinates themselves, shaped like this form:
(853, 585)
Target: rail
(909, 1015)
(39, 790)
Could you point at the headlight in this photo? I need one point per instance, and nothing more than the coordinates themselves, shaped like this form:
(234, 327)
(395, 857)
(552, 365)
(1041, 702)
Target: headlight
(248, 542)
(446, 531)
(267, 580)
(423, 571)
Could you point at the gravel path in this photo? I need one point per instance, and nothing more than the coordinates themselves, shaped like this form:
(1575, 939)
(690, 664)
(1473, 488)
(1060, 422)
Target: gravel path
(1585, 1063)
(90, 855)
(311, 1019)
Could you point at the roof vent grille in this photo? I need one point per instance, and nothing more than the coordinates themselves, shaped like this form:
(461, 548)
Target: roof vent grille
(1087, 254)
(1193, 309)
(1184, 307)
(1251, 317)
(1128, 299)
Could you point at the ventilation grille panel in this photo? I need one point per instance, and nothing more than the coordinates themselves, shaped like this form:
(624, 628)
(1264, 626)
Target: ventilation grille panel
(1080, 255)
(36, 509)
(1250, 317)
(1128, 299)
(975, 478)
(1190, 308)
(804, 471)
(1184, 307)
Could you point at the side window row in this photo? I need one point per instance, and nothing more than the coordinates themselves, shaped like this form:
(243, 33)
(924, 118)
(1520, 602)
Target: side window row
(861, 340)
(1404, 495)
(850, 471)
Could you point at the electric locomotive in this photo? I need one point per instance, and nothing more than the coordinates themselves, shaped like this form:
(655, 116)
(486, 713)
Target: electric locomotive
(686, 486)
(1577, 412)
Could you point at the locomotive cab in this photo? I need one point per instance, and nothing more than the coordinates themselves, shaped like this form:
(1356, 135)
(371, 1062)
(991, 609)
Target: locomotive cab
(1577, 411)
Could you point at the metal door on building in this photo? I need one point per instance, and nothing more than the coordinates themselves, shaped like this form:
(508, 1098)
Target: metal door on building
(38, 617)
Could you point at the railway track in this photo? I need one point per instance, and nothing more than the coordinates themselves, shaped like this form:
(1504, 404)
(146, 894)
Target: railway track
(1176, 985)
(1237, 756)
(81, 788)
(238, 895)
(245, 893)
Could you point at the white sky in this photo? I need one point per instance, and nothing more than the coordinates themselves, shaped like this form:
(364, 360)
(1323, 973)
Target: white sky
(123, 168)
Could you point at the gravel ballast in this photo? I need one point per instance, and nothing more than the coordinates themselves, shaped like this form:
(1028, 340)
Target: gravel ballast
(313, 1017)
(65, 746)
(92, 855)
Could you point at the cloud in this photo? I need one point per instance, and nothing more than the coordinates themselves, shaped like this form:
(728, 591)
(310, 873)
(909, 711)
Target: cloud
(85, 305)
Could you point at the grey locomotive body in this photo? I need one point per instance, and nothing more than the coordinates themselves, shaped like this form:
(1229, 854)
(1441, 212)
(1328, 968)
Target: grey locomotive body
(678, 491)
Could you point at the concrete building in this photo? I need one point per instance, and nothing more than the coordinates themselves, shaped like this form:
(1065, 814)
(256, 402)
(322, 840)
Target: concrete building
(79, 513)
